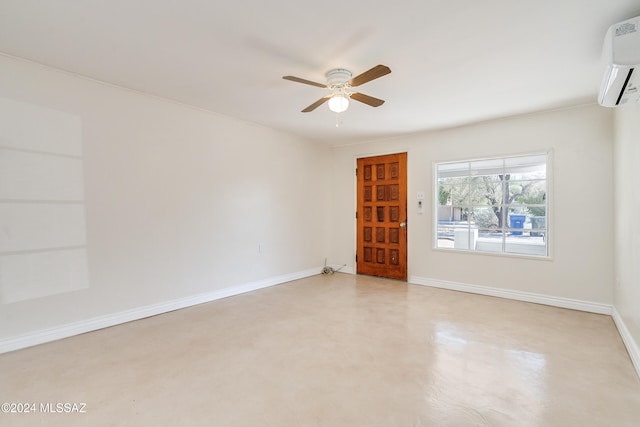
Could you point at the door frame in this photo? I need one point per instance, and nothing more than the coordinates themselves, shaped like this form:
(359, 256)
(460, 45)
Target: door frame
(355, 202)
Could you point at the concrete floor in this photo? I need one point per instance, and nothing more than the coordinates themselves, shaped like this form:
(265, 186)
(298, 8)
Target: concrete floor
(337, 350)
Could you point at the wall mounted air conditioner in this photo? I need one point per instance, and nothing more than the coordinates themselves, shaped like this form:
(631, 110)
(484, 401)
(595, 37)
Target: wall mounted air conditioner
(621, 83)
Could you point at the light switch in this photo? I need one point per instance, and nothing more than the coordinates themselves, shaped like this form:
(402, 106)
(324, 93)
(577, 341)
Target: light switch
(420, 195)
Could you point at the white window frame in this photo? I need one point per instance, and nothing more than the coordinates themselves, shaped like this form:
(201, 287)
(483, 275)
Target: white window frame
(505, 231)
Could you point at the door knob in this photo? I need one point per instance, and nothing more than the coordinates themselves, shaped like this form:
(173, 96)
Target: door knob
(403, 224)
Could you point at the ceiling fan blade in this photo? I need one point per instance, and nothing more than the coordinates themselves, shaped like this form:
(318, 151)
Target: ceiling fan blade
(307, 82)
(372, 74)
(366, 99)
(316, 104)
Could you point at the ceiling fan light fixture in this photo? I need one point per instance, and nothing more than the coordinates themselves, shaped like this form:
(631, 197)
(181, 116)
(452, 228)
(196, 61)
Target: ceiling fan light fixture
(338, 103)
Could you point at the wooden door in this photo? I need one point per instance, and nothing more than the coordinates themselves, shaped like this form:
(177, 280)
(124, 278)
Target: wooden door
(382, 216)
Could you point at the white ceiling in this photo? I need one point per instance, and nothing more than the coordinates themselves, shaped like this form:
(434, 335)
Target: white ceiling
(452, 62)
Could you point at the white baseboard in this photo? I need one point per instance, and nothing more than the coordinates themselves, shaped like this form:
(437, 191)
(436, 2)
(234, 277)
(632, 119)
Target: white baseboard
(344, 269)
(67, 330)
(632, 346)
(573, 304)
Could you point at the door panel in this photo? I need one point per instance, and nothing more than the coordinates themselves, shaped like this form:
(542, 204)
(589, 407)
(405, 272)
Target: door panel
(382, 216)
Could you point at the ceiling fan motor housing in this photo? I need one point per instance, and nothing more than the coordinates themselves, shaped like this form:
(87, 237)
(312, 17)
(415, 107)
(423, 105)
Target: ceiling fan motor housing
(338, 77)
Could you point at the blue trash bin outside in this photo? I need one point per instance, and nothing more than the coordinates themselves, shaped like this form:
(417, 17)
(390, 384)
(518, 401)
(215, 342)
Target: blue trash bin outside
(517, 221)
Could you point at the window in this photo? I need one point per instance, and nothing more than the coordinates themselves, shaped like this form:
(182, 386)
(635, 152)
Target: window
(493, 205)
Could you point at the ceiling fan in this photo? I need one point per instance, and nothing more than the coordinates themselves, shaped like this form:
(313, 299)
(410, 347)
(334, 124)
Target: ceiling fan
(340, 83)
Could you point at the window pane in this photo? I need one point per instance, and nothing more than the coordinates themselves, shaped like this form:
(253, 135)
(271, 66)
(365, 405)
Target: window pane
(538, 220)
(489, 240)
(447, 170)
(526, 165)
(457, 191)
(444, 192)
(445, 237)
(487, 191)
(526, 244)
(521, 191)
(486, 217)
(487, 167)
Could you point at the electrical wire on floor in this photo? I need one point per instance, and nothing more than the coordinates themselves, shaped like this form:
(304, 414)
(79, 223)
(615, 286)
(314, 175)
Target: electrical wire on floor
(330, 270)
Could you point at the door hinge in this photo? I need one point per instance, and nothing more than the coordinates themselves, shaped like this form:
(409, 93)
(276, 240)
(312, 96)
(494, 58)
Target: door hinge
(356, 214)
(356, 257)
(356, 171)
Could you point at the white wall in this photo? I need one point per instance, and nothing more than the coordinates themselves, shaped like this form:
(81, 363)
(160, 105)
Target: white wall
(177, 201)
(581, 203)
(627, 230)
